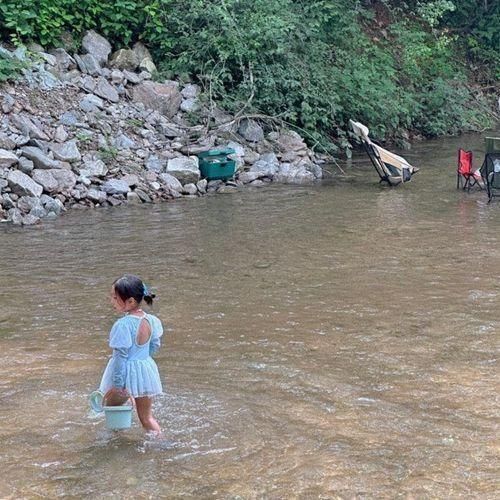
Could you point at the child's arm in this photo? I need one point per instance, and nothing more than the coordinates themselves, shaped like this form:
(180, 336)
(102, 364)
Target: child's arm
(120, 357)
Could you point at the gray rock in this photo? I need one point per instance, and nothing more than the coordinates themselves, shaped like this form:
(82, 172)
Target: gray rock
(46, 180)
(115, 186)
(165, 98)
(30, 220)
(131, 77)
(267, 166)
(8, 103)
(155, 164)
(69, 118)
(28, 127)
(106, 90)
(189, 189)
(7, 202)
(171, 182)
(141, 51)
(148, 66)
(88, 83)
(131, 180)
(91, 64)
(94, 168)
(26, 166)
(50, 204)
(117, 76)
(68, 151)
(26, 203)
(251, 131)
(64, 62)
(122, 141)
(6, 142)
(7, 158)
(23, 185)
(293, 174)
(15, 216)
(91, 103)
(38, 157)
(202, 185)
(190, 91)
(190, 105)
(98, 46)
(38, 211)
(247, 177)
(134, 198)
(184, 168)
(66, 179)
(96, 195)
(125, 59)
(60, 134)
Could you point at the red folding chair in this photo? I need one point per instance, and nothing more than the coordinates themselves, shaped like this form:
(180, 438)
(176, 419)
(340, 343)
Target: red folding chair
(466, 176)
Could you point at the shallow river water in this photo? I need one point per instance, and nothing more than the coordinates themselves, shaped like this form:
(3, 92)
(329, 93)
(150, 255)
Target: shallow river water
(329, 341)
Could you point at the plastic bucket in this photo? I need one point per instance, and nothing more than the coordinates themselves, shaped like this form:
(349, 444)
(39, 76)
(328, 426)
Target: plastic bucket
(118, 417)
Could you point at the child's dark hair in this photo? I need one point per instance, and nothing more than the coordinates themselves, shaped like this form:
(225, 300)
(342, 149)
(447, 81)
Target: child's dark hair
(132, 286)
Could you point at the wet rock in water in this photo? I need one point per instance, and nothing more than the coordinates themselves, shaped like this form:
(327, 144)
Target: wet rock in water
(247, 177)
(30, 220)
(293, 174)
(201, 185)
(51, 204)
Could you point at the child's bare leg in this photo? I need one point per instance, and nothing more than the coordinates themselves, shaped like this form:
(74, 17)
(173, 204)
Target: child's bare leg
(144, 407)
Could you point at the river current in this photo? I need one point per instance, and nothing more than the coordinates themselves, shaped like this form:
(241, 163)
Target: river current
(330, 341)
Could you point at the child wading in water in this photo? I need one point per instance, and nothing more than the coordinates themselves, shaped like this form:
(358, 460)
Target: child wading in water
(131, 371)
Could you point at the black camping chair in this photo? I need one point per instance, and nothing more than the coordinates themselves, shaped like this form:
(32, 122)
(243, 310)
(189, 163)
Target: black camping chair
(490, 172)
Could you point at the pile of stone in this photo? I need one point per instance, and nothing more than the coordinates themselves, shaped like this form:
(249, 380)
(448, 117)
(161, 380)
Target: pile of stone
(94, 129)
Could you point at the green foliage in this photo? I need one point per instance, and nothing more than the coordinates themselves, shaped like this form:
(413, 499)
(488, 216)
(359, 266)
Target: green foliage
(393, 65)
(10, 68)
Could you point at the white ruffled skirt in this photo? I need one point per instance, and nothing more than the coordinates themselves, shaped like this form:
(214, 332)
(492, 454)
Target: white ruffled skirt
(141, 378)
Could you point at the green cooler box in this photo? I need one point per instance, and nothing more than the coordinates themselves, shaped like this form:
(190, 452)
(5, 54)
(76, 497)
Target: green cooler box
(215, 164)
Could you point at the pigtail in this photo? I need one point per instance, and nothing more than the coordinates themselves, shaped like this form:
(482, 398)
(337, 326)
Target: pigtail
(148, 295)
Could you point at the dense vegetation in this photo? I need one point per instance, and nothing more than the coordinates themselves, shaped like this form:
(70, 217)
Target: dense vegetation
(418, 66)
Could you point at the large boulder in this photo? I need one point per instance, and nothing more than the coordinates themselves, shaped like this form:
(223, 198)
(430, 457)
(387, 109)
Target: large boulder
(184, 168)
(23, 185)
(163, 97)
(105, 90)
(125, 59)
(38, 157)
(116, 186)
(171, 182)
(293, 174)
(97, 45)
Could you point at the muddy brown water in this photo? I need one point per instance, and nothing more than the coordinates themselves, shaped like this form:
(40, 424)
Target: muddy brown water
(338, 340)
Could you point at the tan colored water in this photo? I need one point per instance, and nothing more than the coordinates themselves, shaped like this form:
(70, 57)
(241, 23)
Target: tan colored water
(331, 341)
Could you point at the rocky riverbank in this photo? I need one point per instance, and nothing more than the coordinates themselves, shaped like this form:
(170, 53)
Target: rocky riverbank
(93, 130)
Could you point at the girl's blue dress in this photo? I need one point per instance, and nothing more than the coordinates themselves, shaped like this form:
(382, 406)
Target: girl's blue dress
(131, 365)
